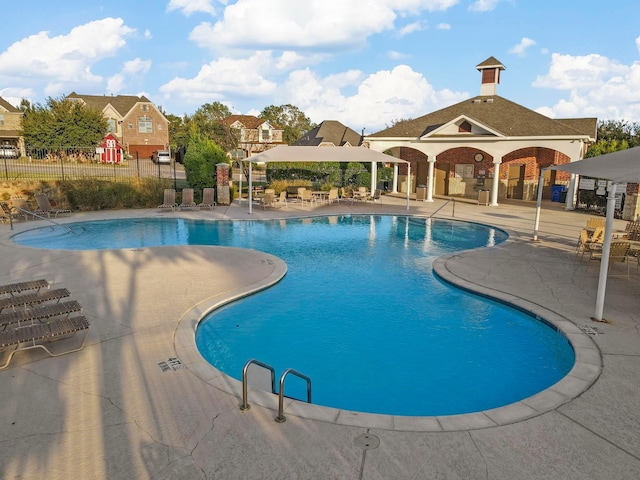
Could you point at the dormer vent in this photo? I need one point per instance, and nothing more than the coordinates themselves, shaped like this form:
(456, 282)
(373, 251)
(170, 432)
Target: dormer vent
(476, 100)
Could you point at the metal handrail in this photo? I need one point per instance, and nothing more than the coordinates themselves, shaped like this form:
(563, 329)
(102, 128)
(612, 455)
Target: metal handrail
(453, 212)
(29, 212)
(245, 403)
(281, 418)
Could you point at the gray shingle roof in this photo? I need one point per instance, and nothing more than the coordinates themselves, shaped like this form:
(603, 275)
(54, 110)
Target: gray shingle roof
(496, 113)
(7, 106)
(330, 131)
(122, 103)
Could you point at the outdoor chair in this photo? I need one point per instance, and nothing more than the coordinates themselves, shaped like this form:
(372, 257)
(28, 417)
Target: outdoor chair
(281, 201)
(16, 288)
(347, 195)
(8, 214)
(333, 195)
(591, 244)
(45, 208)
(208, 195)
(268, 200)
(169, 199)
(21, 205)
(37, 335)
(618, 253)
(187, 199)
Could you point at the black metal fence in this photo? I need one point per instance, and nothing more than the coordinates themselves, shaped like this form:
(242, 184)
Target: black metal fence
(78, 163)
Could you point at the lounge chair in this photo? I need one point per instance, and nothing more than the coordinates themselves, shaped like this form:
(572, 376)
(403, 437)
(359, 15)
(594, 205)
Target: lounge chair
(305, 195)
(187, 199)
(39, 313)
(169, 199)
(21, 205)
(377, 195)
(33, 298)
(8, 214)
(208, 195)
(13, 288)
(45, 208)
(347, 195)
(618, 253)
(38, 334)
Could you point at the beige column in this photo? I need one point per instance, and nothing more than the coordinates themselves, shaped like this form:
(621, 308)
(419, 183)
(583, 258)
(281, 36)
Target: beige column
(495, 185)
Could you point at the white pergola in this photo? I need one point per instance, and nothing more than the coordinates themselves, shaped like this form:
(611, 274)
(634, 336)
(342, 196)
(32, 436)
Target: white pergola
(329, 154)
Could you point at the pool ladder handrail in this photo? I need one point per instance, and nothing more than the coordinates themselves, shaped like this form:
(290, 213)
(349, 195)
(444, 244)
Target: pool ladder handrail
(453, 211)
(245, 403)
(34, 214)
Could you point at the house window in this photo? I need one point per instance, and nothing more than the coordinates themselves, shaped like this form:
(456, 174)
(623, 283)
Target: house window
(145, 108)
(130, 126)
(1, 120)
(111, 125)
(145, 125)
(266, 134)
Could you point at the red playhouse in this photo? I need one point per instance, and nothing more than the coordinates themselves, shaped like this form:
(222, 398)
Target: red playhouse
(110, 151)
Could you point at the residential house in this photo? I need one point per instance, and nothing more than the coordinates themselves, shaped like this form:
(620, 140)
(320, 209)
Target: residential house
(141, 128)
(254, 135)
(11, 126)
(487, 143)
(330, 133)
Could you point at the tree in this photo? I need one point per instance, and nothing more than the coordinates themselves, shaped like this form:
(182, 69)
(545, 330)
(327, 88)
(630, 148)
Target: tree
(203, 154)
(293, 122)
(614, 135)
(62, 124)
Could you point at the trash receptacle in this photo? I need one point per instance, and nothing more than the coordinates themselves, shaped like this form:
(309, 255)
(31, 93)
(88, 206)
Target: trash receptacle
(421, 192)
(563, 196)
(483, 197)
(556, 190)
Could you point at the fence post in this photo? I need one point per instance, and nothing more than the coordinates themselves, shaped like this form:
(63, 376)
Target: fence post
(6, 173)
(138, 163)
(62, 168)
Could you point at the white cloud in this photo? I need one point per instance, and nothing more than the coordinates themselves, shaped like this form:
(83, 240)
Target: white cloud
(225, 76)
(147, 34)
(393, 55)
(589, 71)
(410, 28)
(189, 7)
(638, 44)
(443, 26)
(256, 24)
(378, 99)
(65, 60)
(15, 95)
(133, 68)
(597, 86)
(520, 48)
(483, 5)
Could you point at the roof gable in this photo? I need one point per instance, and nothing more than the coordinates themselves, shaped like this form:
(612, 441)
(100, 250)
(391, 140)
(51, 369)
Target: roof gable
(495, 114)
(456, 127)
(7, 107)
(122, 104)
(246, 121)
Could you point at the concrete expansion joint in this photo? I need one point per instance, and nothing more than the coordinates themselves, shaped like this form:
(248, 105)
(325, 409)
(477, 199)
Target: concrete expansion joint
(484, 460)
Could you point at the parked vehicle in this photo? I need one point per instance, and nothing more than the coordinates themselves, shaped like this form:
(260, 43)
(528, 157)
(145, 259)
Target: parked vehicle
(9, 151)
(162, 156)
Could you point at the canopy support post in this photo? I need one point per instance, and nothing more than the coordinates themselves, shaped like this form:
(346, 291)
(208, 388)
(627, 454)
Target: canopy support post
(606, 248)
(538, 204)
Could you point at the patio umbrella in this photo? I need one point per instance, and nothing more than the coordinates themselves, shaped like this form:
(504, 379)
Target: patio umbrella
(621, 166)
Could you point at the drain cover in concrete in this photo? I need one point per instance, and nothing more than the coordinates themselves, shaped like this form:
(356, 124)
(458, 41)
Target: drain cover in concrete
(366, 441)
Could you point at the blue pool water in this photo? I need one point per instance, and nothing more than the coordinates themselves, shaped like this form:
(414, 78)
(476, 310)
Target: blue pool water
(359, 311)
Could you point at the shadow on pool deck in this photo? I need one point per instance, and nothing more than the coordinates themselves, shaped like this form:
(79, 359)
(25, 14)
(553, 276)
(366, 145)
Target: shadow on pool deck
(109, 411)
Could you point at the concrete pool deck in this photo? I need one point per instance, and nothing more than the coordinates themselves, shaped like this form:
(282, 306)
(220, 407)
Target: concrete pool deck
(110, 411)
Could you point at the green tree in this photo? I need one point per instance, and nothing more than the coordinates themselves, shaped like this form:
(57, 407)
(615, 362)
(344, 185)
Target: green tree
(614, 135)
(62, 124)
(203, 154)
(293, 122)
(208, 121)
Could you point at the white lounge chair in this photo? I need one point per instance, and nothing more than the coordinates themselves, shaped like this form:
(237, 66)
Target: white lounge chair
(169, 199)
(187, 199)
(208, 195)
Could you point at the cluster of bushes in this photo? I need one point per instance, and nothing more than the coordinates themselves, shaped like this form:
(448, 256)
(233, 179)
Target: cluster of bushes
(92, 194)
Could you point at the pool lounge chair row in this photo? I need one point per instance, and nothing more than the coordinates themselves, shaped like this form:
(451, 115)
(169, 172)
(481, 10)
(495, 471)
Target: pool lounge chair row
(29, 319)
(188, 202)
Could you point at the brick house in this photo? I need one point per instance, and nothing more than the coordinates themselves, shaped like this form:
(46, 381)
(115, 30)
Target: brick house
(254, 135)
(11, 126)
(487, 143)
(141, 128)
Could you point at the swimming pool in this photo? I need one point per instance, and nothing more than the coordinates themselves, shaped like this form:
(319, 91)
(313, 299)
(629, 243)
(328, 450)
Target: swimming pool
(360, 312)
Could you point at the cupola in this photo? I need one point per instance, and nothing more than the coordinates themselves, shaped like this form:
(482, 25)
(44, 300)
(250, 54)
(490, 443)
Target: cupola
(490, 70)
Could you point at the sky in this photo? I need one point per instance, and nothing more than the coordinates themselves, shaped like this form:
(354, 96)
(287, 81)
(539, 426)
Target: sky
(367, 64)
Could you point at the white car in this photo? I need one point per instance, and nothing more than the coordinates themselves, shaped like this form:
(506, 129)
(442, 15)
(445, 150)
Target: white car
(162, 156)
(9, 151)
